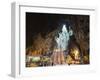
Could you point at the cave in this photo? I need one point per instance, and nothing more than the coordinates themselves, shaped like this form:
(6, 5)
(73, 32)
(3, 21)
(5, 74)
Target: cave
(57, 39)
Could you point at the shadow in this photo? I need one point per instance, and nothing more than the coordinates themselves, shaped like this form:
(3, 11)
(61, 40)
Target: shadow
(10, 75)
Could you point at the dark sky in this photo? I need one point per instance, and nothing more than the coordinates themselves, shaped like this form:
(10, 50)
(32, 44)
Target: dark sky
(37, 22)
